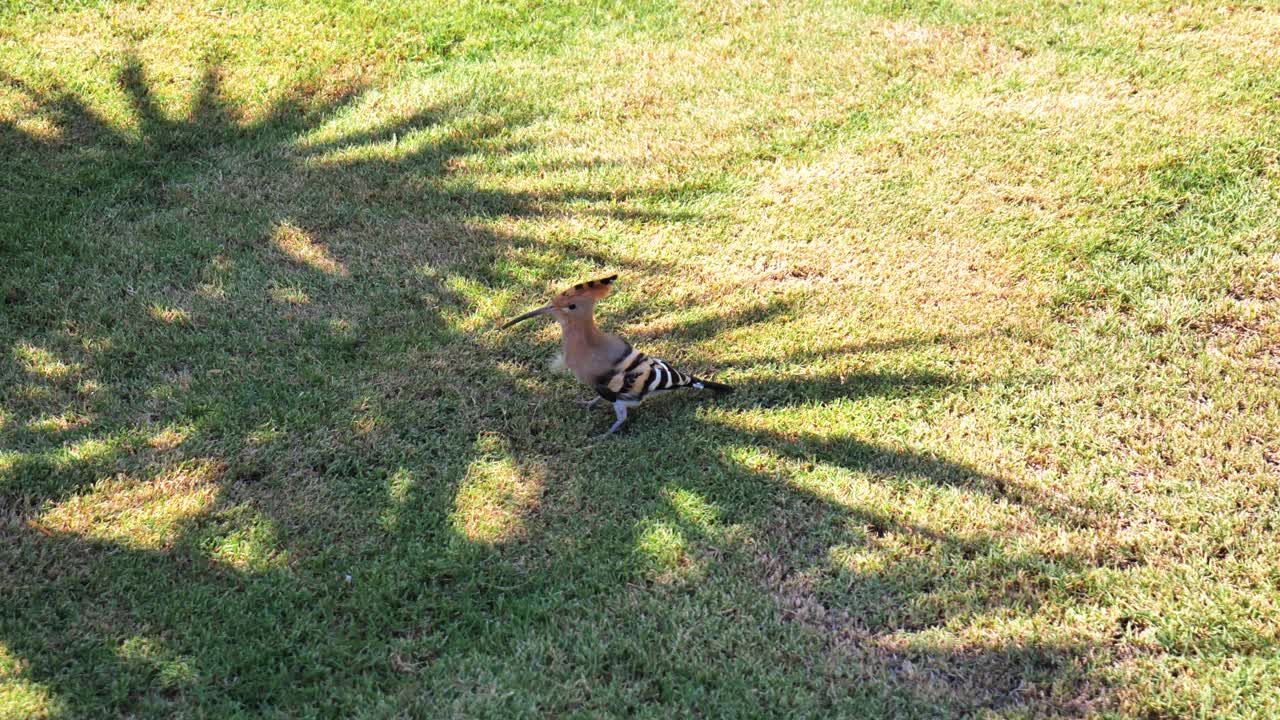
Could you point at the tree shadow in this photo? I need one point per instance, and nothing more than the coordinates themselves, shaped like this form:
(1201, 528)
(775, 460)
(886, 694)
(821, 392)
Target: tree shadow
(305, 382)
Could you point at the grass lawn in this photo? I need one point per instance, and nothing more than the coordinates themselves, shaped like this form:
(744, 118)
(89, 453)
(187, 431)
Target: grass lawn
(998, 284)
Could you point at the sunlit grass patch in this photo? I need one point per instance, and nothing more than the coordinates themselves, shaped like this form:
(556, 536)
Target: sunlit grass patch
(299, 246)
(89, 450)
(169, 438)
(53, 424)
(250, 543)
(139, 514)
(400, 486)
(21, 698)
(150, 656)
(495, 494)
(42, 362)
(169, 315)
(693, 508)
(664, 548)
(24, 115)
(290, 296)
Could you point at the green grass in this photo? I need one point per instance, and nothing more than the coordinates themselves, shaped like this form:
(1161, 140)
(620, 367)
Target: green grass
(997, 283)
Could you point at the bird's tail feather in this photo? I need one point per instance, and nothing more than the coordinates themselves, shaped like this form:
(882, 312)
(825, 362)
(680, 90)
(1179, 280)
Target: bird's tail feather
(711, 385)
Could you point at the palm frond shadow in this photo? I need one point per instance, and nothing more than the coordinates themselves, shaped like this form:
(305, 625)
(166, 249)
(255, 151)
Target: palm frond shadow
(309, 427)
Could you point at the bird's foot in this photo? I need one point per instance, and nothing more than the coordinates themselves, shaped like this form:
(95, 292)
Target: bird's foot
(612, 429)
(620, 410)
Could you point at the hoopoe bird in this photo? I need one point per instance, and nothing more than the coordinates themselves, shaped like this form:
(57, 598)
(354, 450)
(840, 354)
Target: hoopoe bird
(617, 372)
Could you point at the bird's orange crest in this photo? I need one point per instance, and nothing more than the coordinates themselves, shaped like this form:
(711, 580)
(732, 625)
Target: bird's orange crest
(594, 289)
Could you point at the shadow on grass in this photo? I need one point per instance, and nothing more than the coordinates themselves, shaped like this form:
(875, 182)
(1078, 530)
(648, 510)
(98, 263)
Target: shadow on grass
(254, 353)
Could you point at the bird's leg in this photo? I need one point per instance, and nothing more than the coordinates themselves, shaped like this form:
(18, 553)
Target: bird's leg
(619, 409)
(589, 403)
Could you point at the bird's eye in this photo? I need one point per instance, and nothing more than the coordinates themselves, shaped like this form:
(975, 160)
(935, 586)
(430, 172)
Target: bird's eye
(573, 306)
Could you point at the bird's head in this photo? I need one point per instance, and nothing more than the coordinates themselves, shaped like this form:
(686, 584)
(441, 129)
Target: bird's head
(576, 303)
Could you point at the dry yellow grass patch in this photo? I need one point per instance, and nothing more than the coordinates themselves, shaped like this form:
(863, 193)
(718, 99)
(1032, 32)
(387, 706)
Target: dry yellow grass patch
(666, 107)
(657, 109)
(1247, 34)
(944, 51)
(838, 222)
(238, 48)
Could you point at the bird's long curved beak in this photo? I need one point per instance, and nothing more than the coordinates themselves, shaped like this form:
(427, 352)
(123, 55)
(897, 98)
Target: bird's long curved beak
(526, 316)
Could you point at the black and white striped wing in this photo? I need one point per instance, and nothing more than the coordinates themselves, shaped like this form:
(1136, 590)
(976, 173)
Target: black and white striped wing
(637, 376)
